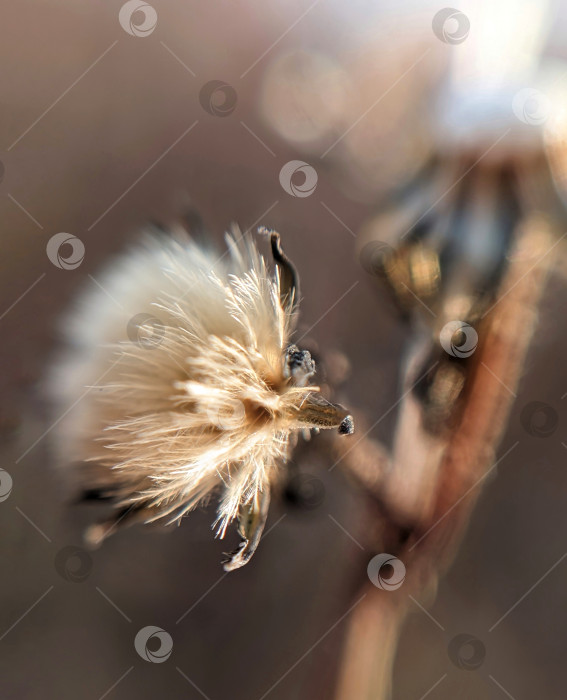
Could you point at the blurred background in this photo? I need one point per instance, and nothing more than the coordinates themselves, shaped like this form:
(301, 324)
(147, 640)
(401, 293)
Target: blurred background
(118, 113)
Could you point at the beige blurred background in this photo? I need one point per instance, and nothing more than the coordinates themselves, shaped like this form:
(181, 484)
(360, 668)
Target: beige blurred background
(95, 141)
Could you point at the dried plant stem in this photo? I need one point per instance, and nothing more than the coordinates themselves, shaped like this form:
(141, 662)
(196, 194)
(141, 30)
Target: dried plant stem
(468, 456)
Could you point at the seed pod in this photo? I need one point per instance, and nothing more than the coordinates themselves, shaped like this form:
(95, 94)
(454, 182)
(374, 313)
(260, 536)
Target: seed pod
(195, 388)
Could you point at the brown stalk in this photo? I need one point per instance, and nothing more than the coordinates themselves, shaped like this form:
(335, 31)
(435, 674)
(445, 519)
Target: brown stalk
(426, 543)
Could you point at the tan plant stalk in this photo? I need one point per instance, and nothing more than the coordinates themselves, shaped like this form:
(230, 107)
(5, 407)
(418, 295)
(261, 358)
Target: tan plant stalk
(454, 483)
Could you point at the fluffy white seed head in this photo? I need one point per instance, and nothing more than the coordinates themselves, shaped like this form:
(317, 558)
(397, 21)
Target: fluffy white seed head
(185, 356)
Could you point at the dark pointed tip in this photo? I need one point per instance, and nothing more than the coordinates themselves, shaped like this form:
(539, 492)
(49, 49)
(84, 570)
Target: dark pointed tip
(237, 559)
(347, 426)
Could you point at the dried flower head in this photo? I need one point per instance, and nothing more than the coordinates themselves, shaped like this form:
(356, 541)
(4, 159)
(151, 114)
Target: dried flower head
(195, 387)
